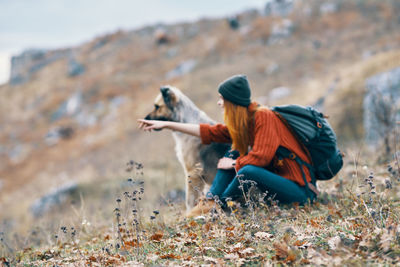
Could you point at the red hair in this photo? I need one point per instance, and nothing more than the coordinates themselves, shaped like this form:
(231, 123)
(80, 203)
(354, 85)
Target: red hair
(238, 120)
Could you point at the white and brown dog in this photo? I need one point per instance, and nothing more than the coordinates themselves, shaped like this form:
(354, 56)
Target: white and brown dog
(199, 161)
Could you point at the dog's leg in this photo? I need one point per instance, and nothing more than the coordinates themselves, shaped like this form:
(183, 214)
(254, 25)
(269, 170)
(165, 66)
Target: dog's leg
(194, 189)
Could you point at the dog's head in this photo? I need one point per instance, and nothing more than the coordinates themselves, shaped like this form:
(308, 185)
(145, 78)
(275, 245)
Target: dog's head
(165, 105)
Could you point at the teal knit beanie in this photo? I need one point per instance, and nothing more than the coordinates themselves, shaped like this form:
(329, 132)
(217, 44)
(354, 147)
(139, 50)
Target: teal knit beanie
(236, 89)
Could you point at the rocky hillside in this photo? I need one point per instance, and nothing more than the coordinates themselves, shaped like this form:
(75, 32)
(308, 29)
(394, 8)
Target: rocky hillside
(69, 116)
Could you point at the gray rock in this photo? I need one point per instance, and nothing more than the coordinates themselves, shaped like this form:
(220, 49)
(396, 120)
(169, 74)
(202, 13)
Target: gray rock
(55, 134)
(15, 153)
(75, 68)
(88, 117)
(23, 66)
(381, 106)
(328, 8)
(278, 7)
(117, 101)
(102, 41)
(18, 152)
(74, 103)
(19, 64)
(69, 107)
(193, 30)
(91, 114)
(182, 69)
(54, 198)
(281, 30)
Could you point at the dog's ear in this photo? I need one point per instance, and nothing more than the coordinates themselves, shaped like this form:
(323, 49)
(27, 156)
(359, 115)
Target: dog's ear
(168, 96)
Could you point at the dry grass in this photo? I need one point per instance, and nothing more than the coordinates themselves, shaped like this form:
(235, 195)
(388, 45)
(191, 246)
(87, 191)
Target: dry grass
(354, 222)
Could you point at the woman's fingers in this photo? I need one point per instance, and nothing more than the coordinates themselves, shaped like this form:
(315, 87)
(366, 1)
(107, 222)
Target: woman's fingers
(144, 124)
(148, 125)
(141, 123)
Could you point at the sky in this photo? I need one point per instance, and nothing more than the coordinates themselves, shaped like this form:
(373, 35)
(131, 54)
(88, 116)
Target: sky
(49, 24)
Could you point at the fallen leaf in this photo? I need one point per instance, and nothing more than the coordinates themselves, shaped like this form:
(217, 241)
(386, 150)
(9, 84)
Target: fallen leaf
(170, 256)
(193, 224)
(304, 261)
(291, 256)
(230, 228)
(281, 250)
(207, 227)
(157, 237)
(92, 258)
(192, 235)
(299, 243)
(131, 243)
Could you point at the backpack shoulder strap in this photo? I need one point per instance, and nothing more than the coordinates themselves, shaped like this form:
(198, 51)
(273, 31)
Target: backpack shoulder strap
(283, 152)
(303, 147)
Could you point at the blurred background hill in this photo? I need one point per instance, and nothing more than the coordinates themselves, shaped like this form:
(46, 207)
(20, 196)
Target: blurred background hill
(68, 116)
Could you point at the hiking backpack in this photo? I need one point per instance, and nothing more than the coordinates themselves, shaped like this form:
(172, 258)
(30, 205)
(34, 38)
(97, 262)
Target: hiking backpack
(313, 131)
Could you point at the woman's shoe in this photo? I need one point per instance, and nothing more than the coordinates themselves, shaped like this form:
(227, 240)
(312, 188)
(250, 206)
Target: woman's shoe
(203, 207)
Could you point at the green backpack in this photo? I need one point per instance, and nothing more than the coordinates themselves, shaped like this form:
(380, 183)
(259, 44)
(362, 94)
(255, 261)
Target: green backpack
(317, 137)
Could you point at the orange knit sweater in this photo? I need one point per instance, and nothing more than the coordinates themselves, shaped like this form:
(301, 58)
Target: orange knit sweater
(266, 135)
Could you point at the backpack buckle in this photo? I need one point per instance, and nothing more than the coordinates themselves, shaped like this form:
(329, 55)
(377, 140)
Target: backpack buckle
(292, 156)
(319, 125)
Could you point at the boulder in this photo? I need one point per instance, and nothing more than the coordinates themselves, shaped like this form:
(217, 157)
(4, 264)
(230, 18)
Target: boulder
(381, 107)
(328, 8)
(20, 63)
(23, 66)
(57, 133)
(75, 68)
(69, 107)
(54, 198)
(281, 30)
(280, 8)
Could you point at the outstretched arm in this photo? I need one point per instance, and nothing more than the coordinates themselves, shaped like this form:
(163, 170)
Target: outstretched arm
(187, 128)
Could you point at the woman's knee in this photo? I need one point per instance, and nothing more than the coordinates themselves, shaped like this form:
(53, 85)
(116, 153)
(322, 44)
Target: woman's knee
(248, 171)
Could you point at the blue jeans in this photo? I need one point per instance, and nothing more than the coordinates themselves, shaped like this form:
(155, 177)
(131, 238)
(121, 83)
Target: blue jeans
(226, 184)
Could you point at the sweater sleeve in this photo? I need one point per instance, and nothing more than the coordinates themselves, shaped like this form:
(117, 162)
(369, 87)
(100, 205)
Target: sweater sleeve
(266, 141)
(214, 133)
